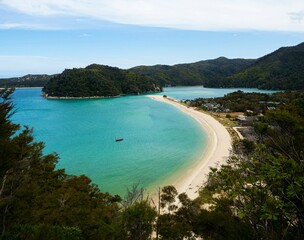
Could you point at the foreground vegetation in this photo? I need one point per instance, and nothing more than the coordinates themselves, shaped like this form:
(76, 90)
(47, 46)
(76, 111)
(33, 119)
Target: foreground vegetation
(258, 194)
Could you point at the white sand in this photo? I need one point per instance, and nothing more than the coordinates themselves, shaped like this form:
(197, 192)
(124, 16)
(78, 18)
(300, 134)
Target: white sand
(216, 152)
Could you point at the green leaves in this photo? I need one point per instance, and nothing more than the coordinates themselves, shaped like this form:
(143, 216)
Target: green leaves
(168, 196)
(263, 190)
(45, 232)
(137, 220)
(32, 191)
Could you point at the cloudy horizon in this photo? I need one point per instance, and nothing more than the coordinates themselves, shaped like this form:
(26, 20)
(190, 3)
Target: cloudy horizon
(126, 33)
(216, 15)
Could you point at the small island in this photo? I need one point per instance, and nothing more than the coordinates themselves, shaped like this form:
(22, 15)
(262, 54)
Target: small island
(98, 81)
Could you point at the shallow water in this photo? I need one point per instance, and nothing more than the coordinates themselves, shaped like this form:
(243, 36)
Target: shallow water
(158, 139)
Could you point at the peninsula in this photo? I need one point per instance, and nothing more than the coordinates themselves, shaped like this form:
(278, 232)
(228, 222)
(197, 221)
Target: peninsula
(98, 81)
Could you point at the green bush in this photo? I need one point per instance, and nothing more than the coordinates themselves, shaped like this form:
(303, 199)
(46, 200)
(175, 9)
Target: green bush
(46, 232)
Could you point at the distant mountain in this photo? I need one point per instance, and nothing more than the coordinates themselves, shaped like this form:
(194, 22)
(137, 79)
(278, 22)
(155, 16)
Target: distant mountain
(209, 73)
(98, 81)
(30, 80)
(282, 69)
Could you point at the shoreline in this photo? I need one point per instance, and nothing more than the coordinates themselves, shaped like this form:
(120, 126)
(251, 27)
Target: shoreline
(77, 98)
(91, 97)
(217, 151)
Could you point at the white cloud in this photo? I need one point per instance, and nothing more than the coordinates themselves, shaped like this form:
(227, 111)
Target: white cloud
(24, 25)
(297, 16)
(11, 25)
(275, 15)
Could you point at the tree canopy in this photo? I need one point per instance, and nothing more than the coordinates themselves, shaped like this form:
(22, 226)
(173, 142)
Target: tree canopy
(98, 81)
(282, 70)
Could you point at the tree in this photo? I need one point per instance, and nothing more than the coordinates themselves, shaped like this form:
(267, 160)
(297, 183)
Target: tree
(261, 186)
(286, 133)
(138, 219)
(34, 195)
(45, 232)
(264, 191)
(18, 154)
(167, 198)
(134, 195)
(138, 216)
(176, 221)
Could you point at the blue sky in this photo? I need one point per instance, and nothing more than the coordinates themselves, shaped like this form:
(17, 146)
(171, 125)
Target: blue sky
(49, 36)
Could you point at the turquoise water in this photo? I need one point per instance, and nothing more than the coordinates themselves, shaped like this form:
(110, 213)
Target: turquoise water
(158, 139)
(183, 93)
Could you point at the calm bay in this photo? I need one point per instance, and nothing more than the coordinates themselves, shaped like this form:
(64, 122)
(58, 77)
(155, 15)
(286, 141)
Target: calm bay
(159, 140)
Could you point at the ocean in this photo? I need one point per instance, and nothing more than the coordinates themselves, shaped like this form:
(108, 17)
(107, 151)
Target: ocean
(159, 140)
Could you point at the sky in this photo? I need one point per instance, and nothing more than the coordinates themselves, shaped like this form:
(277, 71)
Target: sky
(48, 36)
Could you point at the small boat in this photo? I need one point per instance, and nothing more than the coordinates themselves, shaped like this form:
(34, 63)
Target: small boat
(119, 139)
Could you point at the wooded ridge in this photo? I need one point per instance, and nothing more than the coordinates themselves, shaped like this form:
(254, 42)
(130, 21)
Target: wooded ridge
(283, 69)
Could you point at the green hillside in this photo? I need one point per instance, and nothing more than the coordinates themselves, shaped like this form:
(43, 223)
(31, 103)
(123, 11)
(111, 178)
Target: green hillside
(30, 80)
(282, 69)
(100, 81)
(208, 73)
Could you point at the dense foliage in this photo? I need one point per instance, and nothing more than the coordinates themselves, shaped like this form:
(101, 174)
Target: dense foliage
(263, 182)
(98, 80)
(207, 73)
(282, 69)
(258, 103)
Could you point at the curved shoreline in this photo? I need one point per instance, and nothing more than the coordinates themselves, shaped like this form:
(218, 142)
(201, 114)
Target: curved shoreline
(216, 152)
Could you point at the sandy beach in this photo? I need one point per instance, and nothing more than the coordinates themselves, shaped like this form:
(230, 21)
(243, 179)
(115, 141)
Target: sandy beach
(216, 152)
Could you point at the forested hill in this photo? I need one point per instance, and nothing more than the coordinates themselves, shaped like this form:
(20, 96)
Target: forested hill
(98, 81)
(209, 73)
(30, 80)
(282, 69)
